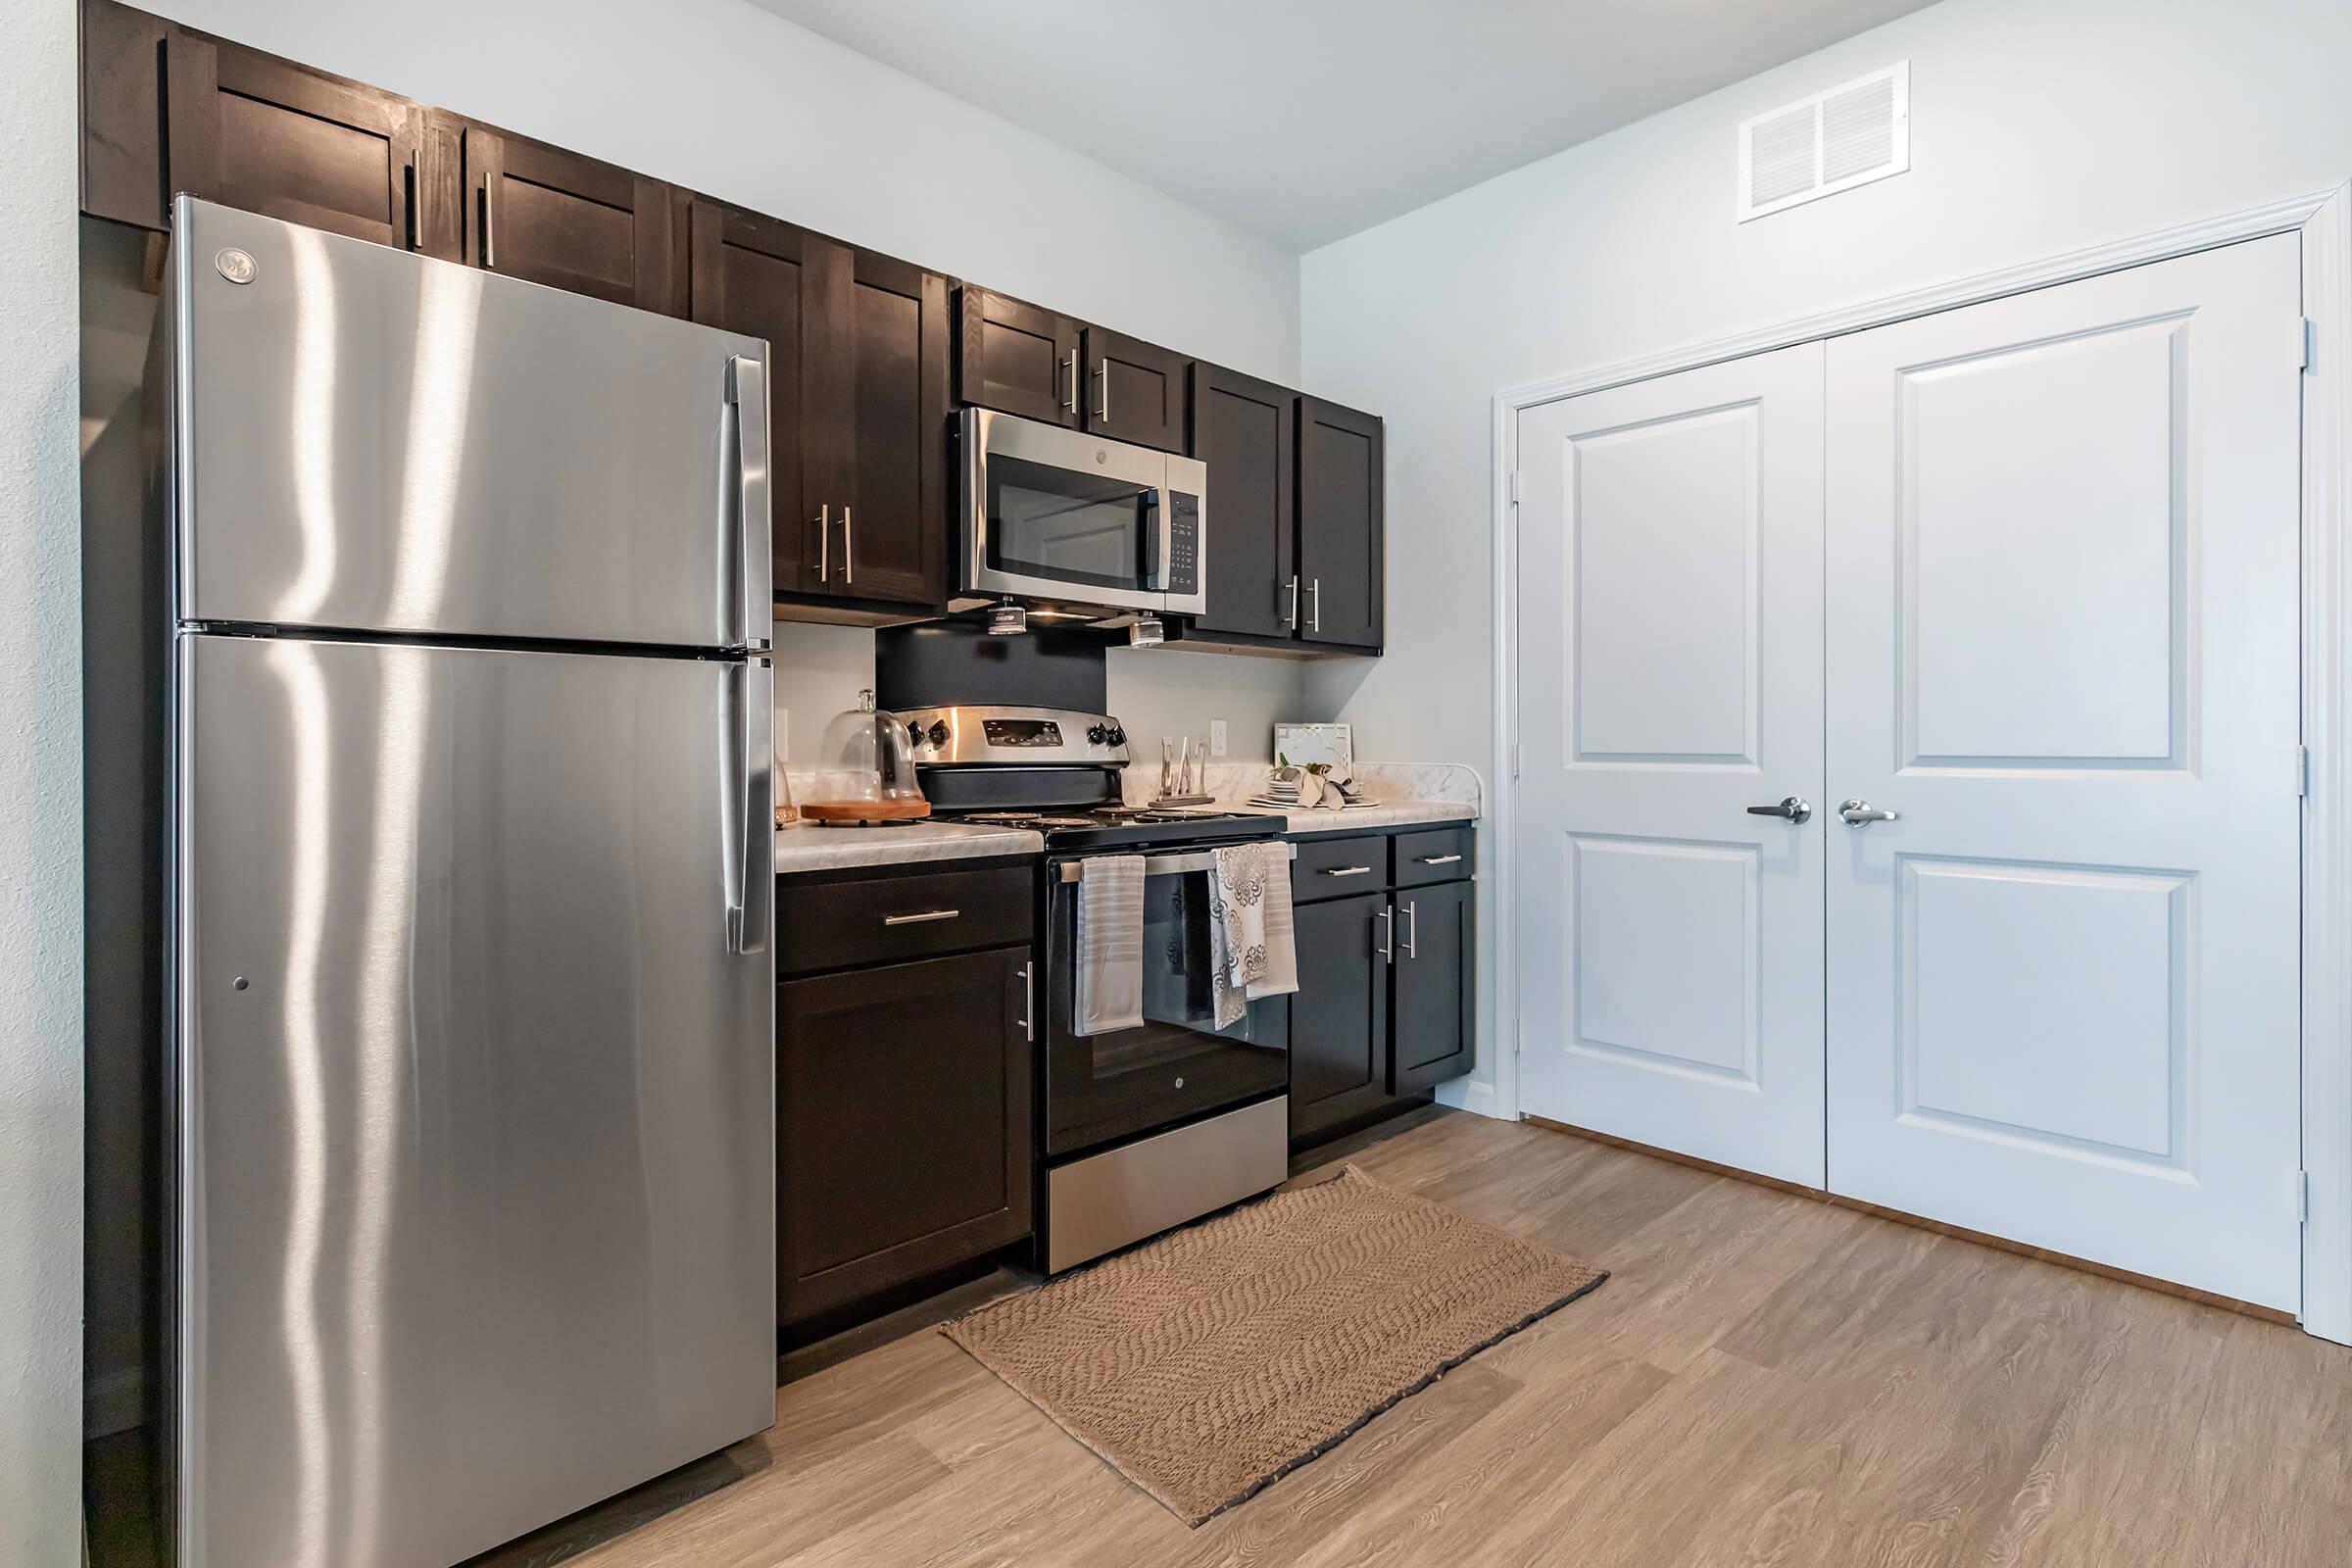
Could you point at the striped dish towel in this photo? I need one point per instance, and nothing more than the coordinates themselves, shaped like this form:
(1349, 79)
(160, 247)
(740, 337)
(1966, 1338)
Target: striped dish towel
(1110, 945)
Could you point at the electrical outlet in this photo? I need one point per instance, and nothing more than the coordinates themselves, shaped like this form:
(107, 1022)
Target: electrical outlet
(1216, 737)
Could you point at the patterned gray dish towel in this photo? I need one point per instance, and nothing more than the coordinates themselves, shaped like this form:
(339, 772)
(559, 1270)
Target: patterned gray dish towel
(1249, 927)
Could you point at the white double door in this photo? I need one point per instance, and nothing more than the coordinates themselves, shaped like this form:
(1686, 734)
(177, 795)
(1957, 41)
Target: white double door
(2016, 585)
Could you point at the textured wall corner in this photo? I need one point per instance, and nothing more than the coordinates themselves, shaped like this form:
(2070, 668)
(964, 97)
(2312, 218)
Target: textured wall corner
(41, 794)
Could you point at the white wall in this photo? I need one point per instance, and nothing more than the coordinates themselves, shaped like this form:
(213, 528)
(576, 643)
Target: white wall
(2037, 126)
(726, 98)
(41, 796)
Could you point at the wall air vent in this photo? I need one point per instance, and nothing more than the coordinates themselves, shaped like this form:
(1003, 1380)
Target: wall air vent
(1831, 141)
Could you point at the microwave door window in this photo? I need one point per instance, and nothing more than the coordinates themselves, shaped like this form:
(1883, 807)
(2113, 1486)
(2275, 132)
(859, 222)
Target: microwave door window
(1073, 528)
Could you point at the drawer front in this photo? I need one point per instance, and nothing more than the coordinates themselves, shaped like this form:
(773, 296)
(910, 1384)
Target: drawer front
(838, 925)
(1339, 868)
(1436, 854)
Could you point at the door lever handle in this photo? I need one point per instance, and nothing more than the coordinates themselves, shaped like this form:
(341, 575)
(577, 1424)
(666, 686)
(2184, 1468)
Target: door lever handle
(1795, 808)
(1859, 812)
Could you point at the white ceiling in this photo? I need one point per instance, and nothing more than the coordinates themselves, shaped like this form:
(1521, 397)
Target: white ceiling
(1309, 120)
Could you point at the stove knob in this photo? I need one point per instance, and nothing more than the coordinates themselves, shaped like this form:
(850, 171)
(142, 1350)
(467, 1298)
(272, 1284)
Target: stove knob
(914, 734)
(1097, 734)
(939, 732)
(1117, 736)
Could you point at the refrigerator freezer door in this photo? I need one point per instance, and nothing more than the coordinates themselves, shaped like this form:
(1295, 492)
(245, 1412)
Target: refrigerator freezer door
(475, 1139)
(372, 440)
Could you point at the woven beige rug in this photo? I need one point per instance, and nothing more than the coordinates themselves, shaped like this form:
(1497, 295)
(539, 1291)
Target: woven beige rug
(1210, 1363)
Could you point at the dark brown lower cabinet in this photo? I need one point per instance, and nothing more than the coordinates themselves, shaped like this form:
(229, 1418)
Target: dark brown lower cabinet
(903, 1125)
(1388, 974)
(1340, 1017)
(1434, 1005)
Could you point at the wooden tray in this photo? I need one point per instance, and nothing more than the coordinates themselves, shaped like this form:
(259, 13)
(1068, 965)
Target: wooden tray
(851, 812)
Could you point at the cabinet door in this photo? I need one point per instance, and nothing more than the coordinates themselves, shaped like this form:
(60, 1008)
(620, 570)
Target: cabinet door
(902, 1124)
(1340, 1017)
(250, 130)
(1437, 985)
(122, 114)
(1243, 429)
(756, 275)
(1134, 391)
(1340, 525)
(541, 214)
(1016, 358)
(881, 439)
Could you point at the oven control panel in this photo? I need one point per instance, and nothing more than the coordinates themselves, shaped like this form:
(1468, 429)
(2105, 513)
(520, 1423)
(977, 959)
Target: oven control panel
(1004, 734)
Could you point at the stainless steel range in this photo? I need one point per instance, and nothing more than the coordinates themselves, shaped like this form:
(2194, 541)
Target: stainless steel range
(1151, 1126)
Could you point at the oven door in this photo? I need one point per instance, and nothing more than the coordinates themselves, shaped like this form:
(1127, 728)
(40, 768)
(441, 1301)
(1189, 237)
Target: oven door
(1177, 1064)
(1054, 513)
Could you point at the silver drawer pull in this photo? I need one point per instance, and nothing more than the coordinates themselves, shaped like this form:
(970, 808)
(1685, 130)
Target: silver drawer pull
(925, 918)
(1439, 859)
(1345, 870)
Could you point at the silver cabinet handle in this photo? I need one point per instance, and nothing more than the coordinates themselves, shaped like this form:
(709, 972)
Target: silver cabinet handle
(1386, 916)
(1029, 1001)
(489, 228)
(1795, 808)
(746, 389)
(1859, 812)
(1292, 615)
(849, 548)
(1071, 402)
(1102, 373)
(1440, 859)
(925, 918)
(1315, 596)
(825, 543)
(1344, 870)
(1412, 930)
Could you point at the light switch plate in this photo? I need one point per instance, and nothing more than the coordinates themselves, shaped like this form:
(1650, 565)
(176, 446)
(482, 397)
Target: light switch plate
(1216, 737)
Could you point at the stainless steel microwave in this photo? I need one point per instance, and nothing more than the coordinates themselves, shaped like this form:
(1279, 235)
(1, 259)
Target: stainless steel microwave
(1072, 518)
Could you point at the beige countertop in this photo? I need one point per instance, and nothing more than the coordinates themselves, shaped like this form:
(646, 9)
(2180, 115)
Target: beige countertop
(807, 846)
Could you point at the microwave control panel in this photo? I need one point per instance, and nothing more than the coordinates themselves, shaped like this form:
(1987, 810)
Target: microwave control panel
(1184, 563)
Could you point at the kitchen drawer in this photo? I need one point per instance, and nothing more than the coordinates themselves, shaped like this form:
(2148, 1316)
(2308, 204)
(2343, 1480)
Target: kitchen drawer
(887, 919)
(1436, 854)
(1339, 868)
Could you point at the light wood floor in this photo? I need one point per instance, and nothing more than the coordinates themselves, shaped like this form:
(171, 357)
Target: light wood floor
(1765, 1380)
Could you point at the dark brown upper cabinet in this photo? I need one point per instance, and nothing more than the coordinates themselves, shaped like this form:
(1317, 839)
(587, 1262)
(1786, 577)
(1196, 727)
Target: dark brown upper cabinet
(1243, 429)
(884, 421)
(123, 115)
(547, 216)
(1022, 358)
(250, 130)
(859, 403)
(1340, 526)
(1134, 391)
(1017, 358)
(755, 276)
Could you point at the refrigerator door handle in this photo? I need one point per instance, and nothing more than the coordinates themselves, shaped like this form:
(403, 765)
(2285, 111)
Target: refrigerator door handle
(746, 389)
(750, 894)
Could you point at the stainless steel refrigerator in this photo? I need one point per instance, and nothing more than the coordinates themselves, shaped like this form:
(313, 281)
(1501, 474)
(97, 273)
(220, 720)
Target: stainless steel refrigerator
(471, 1078)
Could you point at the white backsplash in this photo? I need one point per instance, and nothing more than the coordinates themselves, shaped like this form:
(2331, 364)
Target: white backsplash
(1388, 782)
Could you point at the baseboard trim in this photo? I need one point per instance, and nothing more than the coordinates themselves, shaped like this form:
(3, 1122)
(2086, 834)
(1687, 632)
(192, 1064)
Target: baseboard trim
(1474, 1095)
(1999, 1244)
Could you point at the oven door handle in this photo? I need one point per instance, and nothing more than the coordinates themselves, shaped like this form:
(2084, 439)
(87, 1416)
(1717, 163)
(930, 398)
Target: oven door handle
(1164, 864)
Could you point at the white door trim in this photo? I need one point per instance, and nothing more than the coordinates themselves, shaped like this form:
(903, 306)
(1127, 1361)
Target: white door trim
(2324, 220)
